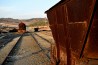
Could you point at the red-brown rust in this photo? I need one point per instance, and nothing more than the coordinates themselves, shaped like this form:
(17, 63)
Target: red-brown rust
(76, 36)
(80, 10)
(69, 22)
(92, 45)
(22, 27)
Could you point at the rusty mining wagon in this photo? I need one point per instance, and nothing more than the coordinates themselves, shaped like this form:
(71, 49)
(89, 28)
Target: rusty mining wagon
(22, 27)
(74, 25)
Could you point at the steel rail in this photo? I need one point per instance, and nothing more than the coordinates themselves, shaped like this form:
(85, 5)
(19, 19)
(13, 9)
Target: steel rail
(10, 52)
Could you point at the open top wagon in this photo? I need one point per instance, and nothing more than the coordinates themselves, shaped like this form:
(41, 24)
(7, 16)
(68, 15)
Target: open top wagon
(74, 25)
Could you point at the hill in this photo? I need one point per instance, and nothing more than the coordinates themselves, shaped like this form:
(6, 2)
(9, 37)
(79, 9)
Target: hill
(28, 22)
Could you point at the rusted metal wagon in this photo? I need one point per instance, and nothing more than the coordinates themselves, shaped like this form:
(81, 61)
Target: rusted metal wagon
(74, 25)
(22, 27)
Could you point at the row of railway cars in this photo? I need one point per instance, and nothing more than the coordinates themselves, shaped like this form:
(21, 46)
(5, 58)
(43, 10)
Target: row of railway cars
(74, 25)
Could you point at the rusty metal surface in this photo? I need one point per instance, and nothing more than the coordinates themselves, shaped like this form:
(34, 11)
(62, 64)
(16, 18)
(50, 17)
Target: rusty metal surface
(69, 23)
(55, 35)
(63, 56)
(61, 35)
(61, 25)
(52, 17)
(80, 10)
(77, 32)
(60, 13)
(91, 50)
(54, 32)
(22, 26)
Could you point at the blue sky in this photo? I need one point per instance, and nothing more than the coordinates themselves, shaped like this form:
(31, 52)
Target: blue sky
(25, 9)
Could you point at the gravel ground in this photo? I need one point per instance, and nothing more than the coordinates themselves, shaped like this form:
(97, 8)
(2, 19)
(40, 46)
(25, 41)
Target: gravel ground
(28, 53)
(49, 33)
(49, 38)
(42, 42)
(46, 46)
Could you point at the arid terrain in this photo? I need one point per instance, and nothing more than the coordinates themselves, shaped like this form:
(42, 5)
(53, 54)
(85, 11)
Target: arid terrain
(7, 24)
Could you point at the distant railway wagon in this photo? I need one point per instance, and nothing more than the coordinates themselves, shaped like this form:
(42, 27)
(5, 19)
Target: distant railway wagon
(74, 25)
(22, 27)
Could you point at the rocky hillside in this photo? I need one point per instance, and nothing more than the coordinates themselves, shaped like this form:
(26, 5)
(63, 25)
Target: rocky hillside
(17, 21)
(8, 20)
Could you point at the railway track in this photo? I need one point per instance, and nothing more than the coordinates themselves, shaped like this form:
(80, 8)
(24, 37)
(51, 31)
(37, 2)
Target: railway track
(4, 42)
(50, 42)
(8, 50)
(24, 48)
(1, 37)
(4, 39)
(43, 43)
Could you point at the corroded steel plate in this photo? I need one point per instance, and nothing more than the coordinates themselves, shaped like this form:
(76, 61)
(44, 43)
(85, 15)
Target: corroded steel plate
(77, 32)
(91, 50)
